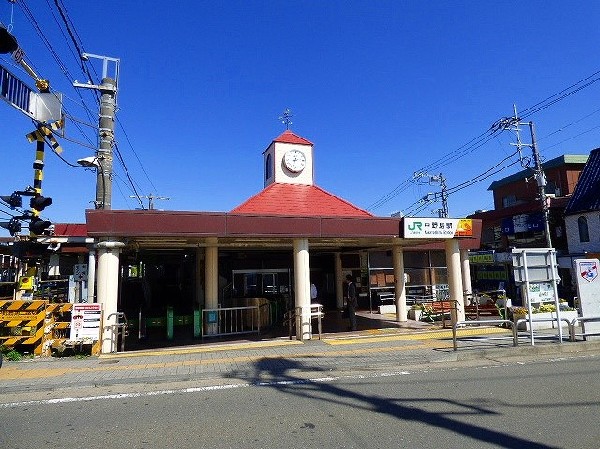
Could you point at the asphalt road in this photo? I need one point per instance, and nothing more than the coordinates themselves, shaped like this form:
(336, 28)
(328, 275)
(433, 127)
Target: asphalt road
(512, 403)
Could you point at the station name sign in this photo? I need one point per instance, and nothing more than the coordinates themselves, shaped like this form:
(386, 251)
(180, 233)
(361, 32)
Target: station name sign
(437, 228)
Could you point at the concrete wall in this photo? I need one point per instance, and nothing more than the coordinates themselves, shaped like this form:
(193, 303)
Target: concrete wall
(572, 228)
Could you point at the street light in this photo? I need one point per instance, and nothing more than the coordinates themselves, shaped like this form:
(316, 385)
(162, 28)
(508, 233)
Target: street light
(93, 162)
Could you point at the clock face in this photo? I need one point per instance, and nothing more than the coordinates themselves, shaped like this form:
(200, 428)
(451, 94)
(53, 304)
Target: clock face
(294, 160)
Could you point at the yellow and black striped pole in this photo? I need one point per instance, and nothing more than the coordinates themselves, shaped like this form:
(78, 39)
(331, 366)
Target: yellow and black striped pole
(38, 202)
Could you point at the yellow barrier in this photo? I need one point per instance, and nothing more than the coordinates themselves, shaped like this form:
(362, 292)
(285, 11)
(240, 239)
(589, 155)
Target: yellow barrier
(22, 323)
(37, 323)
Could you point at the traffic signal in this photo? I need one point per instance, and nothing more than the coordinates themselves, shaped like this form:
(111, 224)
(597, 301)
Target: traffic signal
(8, 43)
(39, 202)
(37, 226)
(13, 226)
(13, 200)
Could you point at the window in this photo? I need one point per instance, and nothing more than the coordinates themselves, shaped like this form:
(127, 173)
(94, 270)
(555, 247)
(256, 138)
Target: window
(509, 200)
(584, 233)
(268, 167)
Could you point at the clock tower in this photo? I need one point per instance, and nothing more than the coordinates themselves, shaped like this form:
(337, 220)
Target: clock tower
(289, 160)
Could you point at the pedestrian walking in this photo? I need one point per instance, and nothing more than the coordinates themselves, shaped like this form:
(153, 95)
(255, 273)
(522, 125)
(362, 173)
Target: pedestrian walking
(351, 301)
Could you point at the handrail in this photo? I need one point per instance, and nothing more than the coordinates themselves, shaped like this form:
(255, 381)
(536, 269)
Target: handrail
(316, 311)
(582, 320)
(119, 327)
(483, 322)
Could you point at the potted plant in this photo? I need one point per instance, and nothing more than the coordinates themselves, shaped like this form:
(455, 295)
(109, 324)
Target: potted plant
(415, 311)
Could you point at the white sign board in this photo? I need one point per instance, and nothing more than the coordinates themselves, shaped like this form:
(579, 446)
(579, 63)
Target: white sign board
(588, 291)
(86, 320)
(437, 228)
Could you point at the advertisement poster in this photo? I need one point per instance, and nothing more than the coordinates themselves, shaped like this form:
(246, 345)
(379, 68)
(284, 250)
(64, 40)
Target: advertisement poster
(86, 320)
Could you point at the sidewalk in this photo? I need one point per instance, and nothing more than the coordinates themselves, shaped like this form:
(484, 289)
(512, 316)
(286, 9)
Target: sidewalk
(241, 361)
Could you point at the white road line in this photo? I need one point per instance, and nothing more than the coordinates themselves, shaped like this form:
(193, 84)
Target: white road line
(197, 389)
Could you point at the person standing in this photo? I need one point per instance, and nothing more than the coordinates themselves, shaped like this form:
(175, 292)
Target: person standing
(351, 301)
(313, 293)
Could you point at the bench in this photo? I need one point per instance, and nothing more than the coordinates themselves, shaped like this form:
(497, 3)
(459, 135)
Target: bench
(438, 309)
(474, 312)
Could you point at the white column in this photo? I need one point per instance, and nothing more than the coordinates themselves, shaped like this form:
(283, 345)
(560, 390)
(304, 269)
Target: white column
(211, 279)
(339, 282)
(466, 272)
(302, 289)
(400, 288)
(91, 280)
(108, 289)
(455, 284)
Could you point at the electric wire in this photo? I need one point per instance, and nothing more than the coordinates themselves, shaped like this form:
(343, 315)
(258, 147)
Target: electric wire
(78, 46)
(76, 41)
(120, 159)
(135, 153)
(483, 138)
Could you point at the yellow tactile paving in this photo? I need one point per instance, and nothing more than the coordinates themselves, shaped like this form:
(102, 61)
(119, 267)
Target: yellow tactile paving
(18, 372)
(210, 348)
(429, 335)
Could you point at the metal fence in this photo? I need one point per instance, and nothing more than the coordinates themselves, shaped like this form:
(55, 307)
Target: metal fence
(235, 320)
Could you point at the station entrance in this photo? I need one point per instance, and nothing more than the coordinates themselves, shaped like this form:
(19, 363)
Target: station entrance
(162, 291)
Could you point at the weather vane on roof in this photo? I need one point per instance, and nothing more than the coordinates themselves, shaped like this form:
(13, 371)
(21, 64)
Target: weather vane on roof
(286, 118)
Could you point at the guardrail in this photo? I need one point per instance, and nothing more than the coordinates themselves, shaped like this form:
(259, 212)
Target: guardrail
(483, 323)
(582, 320)
(571, 324)
(542, 320)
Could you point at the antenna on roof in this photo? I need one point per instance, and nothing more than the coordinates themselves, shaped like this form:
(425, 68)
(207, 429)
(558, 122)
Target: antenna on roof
(286, 118)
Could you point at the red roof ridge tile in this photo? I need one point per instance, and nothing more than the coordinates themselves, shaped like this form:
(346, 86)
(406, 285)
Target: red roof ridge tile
(298, 200)
(289, 137)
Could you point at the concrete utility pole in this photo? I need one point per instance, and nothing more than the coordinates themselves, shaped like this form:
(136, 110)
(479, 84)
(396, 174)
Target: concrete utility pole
(106, 134)
(540, 178)
(541, 182)
(106, 129)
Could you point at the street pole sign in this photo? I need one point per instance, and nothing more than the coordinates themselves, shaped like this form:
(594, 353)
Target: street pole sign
(15, 92)
(43, 107)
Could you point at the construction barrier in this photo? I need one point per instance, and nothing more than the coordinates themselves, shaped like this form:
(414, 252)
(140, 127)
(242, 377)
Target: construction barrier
(38, 324)
(22, 323)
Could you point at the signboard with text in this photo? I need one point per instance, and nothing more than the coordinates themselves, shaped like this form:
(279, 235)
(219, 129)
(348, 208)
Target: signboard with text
(437, 228)
(86, 320)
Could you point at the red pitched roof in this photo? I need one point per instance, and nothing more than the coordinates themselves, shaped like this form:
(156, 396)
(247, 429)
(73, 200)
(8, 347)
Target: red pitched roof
(289, 137)
(298, 200)
(70, 229)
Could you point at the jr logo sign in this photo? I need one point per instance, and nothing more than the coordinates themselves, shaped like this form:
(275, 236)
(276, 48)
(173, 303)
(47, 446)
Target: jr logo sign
(588, 271)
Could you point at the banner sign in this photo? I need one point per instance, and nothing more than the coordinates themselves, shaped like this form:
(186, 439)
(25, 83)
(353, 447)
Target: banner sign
(437, 228)
(86, 321)
(482, 257)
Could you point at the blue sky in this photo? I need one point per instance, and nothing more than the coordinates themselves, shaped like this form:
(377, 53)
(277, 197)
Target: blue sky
(382, 88)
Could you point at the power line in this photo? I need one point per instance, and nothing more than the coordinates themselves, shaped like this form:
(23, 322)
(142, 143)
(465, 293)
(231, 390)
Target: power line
(483, 138)
(135, 153)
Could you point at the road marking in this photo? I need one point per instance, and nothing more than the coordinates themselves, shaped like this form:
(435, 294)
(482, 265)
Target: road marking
(276, 383)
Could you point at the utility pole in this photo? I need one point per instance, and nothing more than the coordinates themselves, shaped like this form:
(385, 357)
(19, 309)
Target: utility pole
(106, 128)
(513, 123)
(436, 196)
